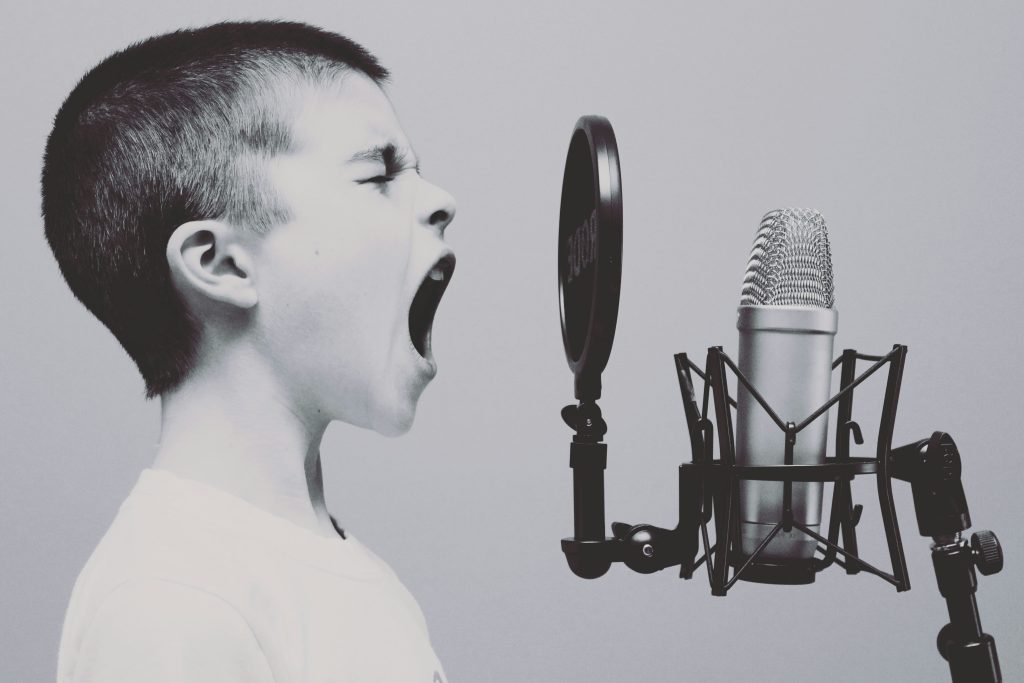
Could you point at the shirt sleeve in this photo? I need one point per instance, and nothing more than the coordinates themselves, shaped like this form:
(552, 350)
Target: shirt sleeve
(164, 632)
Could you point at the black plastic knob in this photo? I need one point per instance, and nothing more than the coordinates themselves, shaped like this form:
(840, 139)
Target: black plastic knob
(586, 419)
(988, 554)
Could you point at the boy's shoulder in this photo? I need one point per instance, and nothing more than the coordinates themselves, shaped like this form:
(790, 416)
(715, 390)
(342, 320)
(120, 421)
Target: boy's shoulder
(159, 583)
(149, 629)
(169, 531)
(189, 569)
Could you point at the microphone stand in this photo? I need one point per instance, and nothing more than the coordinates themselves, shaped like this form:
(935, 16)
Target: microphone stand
(932, 467)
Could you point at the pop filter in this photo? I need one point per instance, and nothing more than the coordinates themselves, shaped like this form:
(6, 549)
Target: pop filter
(590, 252)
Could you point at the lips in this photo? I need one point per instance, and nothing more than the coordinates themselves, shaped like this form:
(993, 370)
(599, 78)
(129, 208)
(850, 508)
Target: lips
(425, 303)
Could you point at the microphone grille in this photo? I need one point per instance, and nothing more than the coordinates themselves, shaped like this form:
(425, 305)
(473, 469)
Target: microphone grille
(790, 263)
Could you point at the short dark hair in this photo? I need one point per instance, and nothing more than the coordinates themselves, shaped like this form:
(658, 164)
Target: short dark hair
(169, 130)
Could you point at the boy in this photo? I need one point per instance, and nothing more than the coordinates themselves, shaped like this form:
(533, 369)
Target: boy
(240, 207)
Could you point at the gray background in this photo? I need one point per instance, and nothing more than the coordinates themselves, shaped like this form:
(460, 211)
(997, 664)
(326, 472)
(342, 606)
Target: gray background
(901, 122)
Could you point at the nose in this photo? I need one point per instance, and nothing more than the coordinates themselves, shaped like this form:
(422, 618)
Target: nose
(436, 207)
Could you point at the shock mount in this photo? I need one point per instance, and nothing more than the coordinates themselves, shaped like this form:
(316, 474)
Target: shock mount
(709, 496)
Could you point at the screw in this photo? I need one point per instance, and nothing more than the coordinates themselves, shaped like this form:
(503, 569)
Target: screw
(648, 550)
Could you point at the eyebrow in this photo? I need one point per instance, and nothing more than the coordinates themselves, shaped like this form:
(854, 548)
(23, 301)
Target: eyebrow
(388, 154)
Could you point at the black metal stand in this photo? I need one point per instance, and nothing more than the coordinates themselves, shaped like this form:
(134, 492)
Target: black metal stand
(932, 466)
(971, 653)
(709, 487)
(588, 552)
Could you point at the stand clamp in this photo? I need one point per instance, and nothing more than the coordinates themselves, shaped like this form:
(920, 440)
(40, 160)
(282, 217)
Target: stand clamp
(932, 466)
(644, 548)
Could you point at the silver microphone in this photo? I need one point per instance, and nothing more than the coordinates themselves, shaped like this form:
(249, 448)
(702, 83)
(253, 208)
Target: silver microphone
(786, 324)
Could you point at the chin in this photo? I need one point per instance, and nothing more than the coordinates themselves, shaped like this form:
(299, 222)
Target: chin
(395, 411)
(394, 417)
(389, 413)
(385, 424)
(396, 424)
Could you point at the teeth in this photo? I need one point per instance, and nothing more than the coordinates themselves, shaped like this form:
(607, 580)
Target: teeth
(437, 275)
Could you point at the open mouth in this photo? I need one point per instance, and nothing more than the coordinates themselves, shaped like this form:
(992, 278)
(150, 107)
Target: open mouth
(424, 304)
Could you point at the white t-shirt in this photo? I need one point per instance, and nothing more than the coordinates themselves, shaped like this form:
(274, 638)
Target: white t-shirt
(191, 584)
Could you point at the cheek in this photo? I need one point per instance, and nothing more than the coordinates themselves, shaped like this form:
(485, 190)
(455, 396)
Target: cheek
(334, 294)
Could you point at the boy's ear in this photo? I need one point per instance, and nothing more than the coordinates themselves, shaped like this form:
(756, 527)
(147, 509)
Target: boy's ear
(211, 261)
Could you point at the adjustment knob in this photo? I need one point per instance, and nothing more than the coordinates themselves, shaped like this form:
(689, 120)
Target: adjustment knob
(569, 415)
(586, 420)
(988, 554)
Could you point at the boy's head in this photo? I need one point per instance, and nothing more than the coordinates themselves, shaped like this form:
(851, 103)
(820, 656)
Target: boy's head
(248, 187)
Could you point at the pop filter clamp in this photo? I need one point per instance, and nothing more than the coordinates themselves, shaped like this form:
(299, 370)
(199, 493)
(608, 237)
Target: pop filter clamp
(589, 276)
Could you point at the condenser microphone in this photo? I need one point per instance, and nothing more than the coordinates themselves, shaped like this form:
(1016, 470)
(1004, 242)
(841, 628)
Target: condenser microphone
(787, 324)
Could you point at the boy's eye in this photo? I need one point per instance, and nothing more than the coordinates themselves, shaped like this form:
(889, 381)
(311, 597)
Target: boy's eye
(389, 175)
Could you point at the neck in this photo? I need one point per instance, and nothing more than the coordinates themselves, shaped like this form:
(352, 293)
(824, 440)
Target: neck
(232, 427)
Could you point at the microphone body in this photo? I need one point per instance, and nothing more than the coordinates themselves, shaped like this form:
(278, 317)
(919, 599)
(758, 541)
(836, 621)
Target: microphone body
(787, 324)
(786, 353)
